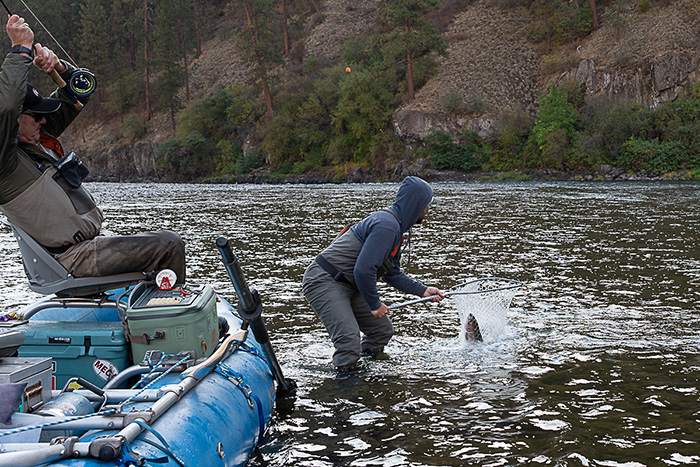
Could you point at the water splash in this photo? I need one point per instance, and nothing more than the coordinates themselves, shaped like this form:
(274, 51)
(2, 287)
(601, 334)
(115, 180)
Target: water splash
(482, 305)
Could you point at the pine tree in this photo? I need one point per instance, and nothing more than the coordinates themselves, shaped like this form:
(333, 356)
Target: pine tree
(173, 42)
(167, 61)
(259, 41)
(146, 61)
(411, 32)
(93, 39)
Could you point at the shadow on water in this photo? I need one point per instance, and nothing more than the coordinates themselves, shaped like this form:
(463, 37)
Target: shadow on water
(598, 364)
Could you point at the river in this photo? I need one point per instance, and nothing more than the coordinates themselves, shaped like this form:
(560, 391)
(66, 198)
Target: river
(599, 364)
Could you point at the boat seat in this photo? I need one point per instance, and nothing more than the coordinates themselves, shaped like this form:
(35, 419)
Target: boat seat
(47, 276)
(10, 341)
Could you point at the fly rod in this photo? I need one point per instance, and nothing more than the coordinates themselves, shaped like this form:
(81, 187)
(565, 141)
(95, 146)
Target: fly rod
(82, 81)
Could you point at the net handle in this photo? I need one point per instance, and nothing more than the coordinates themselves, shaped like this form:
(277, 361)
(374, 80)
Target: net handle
(515, 284)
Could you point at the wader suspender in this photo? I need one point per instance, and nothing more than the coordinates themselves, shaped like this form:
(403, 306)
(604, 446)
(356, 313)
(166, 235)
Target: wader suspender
(329, 268)
(339, 276)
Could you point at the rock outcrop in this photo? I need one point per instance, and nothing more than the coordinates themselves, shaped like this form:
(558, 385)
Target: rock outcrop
(491, 67)
(653, 58)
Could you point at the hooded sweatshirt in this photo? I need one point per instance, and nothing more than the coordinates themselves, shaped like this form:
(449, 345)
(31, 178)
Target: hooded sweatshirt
(381, 234)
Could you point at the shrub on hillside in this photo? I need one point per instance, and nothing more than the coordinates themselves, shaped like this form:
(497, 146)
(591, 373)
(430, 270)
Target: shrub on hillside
(558, 22)
(444, 153)
(679, 120)
(606, 124)
(452, 101)
(249, 161)
(302, 125)
(226, 113)
(227, 157)
(134, 126)
(653, 155)
(188, 158)
(513, 131)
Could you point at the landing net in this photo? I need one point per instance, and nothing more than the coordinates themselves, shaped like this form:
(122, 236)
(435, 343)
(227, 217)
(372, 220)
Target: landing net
(488, 301)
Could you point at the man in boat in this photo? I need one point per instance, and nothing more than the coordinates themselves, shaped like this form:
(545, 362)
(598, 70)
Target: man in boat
(341, 283)
(41, 187)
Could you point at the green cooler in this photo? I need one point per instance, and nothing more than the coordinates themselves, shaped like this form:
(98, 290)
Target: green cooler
(181, 319)
(96, 351)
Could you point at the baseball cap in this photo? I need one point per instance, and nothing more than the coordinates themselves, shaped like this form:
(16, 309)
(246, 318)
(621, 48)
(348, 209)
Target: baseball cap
(33, 102)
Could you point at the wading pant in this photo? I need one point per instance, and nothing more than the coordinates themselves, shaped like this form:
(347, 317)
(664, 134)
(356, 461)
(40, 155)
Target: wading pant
(345, 314)
(106, 255)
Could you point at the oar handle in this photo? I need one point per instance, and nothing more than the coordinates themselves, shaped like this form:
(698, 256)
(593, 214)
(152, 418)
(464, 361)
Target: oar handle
(250, 310)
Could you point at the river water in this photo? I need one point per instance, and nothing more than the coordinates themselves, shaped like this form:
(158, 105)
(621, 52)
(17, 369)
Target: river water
(599, 363)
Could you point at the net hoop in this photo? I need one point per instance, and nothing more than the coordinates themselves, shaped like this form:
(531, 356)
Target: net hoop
(487, 300)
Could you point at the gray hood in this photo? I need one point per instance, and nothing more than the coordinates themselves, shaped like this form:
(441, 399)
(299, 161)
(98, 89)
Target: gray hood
(413, 197)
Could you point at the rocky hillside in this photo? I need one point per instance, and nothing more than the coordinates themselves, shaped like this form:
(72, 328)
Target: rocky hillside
(652, 58)
(492, 66)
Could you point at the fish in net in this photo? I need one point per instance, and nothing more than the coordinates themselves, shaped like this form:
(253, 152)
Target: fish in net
(482, 305)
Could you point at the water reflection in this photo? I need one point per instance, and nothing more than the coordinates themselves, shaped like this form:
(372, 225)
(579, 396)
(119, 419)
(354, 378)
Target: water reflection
(599, 364)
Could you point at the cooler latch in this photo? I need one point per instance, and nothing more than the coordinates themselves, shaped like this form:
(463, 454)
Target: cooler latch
(145, 338)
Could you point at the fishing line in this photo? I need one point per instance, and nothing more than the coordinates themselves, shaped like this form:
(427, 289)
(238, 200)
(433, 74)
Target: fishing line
(82, 82)
(8, 10)
(47, 32)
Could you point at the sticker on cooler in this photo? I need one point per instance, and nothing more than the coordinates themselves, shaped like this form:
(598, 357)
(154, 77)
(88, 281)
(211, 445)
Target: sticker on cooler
(165, 280)
(104, 369)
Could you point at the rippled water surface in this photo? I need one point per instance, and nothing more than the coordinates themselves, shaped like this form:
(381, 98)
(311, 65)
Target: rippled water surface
(599, 363)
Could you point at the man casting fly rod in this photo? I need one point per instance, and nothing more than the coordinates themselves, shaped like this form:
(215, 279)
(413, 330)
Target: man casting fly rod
(41, 188)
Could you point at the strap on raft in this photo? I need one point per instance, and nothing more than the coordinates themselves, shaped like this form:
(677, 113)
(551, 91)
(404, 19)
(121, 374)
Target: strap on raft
(253, 400)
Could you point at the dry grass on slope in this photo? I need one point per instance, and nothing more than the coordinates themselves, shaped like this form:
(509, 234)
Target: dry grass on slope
(627, 38)
(491, 67)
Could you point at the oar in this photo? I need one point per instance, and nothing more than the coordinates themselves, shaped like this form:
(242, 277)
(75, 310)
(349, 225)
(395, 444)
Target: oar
(514, 284)
(250, 309)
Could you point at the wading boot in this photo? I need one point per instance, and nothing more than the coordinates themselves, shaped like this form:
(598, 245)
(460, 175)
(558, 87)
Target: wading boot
(375, 354)
(346, 370)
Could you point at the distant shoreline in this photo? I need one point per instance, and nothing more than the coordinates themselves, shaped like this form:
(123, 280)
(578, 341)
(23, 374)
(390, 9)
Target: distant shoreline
(603, 173)
(458, 176)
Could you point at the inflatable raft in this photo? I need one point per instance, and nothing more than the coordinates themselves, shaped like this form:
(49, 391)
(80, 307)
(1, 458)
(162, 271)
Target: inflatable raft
(139, 376)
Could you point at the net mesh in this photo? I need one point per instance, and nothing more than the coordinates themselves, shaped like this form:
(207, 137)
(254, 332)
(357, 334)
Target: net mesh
(488, 306)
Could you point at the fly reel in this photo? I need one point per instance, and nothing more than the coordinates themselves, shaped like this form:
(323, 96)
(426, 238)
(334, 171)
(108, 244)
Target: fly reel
(82, 83)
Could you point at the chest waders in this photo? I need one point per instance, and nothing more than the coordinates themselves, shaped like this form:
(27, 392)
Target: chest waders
(340, 257)
(54, 211)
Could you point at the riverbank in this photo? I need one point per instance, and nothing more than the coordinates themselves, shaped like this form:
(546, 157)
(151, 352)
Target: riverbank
(421, 168)
(398, 173)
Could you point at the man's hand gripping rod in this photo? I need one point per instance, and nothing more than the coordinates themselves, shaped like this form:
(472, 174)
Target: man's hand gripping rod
(82, 81)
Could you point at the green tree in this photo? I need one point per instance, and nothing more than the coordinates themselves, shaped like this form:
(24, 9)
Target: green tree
(260, 42)
(94, 39)
(411, 33)
(366, 102)
(301, 130)
(172, 32)
(167, 61)
(554, 128)
(60, 17)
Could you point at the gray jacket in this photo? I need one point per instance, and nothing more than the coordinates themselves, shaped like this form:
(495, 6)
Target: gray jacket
(33, 194)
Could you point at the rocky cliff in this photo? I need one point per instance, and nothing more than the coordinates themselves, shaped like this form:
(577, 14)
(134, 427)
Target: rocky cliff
(652, 58)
